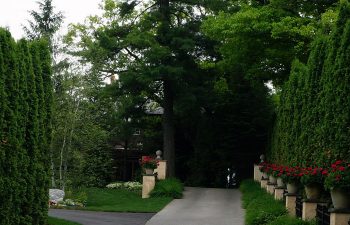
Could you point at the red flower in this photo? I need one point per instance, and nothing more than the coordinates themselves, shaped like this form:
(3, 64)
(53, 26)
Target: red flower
(325, 172)
(338, 162)
(341, 168)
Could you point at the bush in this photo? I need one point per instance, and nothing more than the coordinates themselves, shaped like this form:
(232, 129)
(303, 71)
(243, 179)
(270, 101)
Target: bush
(170, 187)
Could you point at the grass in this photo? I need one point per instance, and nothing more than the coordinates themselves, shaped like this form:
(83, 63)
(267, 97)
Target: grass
(119, 200)
(263, 209)
(56, 221)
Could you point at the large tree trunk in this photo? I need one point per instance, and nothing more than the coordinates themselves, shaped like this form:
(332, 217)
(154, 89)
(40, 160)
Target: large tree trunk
(168, 104)
(168, 128)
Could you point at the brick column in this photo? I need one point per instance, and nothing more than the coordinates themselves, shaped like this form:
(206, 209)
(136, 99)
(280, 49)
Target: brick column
(161, 169)
(279, 191)
(309, 209)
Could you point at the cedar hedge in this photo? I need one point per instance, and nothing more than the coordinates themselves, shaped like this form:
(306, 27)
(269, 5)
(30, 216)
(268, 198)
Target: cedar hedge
(313, 117)
(25, 128)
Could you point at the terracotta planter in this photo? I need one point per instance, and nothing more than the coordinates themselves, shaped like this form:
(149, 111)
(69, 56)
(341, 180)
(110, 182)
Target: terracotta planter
(280, 182)
(292, 188)
(340, 198)
(272, 179)
(149, 171)
(313, 191)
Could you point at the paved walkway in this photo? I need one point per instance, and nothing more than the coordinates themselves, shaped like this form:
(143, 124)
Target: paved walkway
(101, 218)
(203, 206)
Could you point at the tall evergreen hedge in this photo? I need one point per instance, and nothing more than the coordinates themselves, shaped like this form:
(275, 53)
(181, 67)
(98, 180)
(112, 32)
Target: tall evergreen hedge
(313, 119)
(25, 111)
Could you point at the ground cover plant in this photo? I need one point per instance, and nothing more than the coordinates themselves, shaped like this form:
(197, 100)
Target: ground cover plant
(262, 208)
(56, 221)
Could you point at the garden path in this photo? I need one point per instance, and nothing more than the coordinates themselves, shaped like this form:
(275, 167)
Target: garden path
(203, 206)
(101, 218)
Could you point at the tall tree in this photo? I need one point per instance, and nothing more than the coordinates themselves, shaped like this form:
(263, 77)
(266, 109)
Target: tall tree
(153, 46)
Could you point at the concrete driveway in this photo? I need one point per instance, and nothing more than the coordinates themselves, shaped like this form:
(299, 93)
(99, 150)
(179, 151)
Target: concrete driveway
(203, 206)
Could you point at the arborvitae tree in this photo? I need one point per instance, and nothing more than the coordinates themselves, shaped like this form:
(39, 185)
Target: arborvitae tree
(23, 158)
(320, 130)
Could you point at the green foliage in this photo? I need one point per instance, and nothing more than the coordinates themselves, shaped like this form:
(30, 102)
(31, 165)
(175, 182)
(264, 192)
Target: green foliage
(313, 116)
(261, 208)
(170, 187)
(24, 130)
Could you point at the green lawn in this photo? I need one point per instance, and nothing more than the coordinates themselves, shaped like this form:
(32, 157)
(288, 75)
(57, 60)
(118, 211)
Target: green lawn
(55, 221)
(116, 200)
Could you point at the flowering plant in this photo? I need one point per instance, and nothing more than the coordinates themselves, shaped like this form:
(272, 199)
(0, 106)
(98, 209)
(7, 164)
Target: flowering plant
(291, 174)
(312, 175)
(338, 176)
(148, 162)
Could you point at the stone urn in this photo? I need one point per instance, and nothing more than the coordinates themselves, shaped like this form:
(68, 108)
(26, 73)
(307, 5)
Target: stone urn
(313, 191)
(340, 198)
(149, 171)
(292, 188)
(280, 182)
(272, 180)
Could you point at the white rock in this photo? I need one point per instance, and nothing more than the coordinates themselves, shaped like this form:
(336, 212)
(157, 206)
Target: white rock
(56, 195)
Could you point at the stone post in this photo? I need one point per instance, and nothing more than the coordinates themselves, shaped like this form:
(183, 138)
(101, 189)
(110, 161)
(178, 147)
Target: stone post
(148, 183)
(257, 173)
(339, 216)
(290, 203)
(263, 182)
(271, 188)
(279, 191)
(309, 209)
(161, 169)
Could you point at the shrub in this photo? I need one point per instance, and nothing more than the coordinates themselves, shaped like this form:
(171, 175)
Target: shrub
(170, 187)
(131, 186)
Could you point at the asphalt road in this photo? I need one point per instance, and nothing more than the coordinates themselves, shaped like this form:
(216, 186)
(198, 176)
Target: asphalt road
(101, 218)
(203, 206)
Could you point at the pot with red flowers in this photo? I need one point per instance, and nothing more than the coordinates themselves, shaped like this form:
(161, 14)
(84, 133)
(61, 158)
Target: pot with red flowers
(338, 182)
(148, 164)
(312, 178)
(291, 176)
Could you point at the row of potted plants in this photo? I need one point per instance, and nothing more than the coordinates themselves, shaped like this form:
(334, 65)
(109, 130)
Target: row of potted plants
(335, 178)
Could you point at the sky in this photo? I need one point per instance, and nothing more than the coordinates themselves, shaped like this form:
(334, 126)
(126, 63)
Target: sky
(14, 13)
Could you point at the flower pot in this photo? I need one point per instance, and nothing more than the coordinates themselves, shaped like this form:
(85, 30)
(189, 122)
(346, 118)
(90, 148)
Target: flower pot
(340, 198)
(280, 182)
(313, 191)
(292, 188)
(264, 176)
(272, 180)
(149, 171)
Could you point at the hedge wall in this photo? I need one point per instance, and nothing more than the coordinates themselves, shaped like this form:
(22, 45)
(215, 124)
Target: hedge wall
(25, 112)
(313, 118)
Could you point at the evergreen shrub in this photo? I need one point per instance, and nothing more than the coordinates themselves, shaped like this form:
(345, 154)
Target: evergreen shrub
(25, 115)
(170, 187)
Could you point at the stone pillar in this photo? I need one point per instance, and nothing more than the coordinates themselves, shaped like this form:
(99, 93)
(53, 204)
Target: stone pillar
(309, 210)
(161, 169)
(339, 216)
(271, 188)
(279, 191)
(148, 183)
(290, 204)
(263, 182)
(257, 173)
